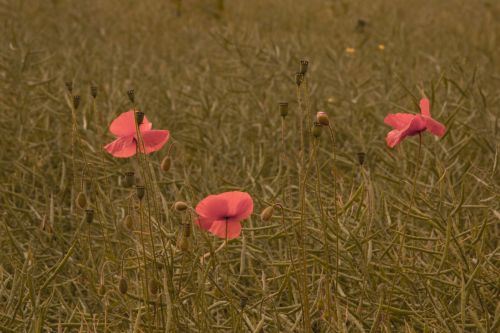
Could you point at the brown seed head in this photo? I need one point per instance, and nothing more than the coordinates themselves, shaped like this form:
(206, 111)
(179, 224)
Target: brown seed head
(69, 86)
(267, 213)
(299, 78)
(81, 200)
(316, 130)
(140, 191)
(93, 91)
(243, 302)
(131, 95)
(76, 101)
(304, 64)
(154, 287)
(140, 117)
(283, 107)
(361, 158)
(129, 179)
(89, 215)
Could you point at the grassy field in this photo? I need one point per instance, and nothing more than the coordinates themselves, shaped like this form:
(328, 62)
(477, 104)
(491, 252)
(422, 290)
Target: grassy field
(360, 237)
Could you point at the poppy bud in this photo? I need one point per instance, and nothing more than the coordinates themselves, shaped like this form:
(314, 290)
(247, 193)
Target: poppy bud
(361, 158)
(76, 101)
(89, 215)
(322, 118)
(304, 64)
(180, 206)
(129, 179)
(128, 222)
(123, 285)
(140, 117)
(299, 78)
(165, 164)
(131, 95)
(69, 86)
(267, 213)
(81, 200)
(102, 290)
(154, 287)
(316, 130)
(140, 190)
(93, 91)
(283, 106)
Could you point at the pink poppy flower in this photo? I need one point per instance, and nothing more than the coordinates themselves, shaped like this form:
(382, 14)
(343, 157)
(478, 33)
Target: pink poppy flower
(221, 214)
(123, 127)
(407, 124)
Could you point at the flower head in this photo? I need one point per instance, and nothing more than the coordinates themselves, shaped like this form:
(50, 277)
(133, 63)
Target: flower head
(123, 127)
(407, 124)
(221, 214)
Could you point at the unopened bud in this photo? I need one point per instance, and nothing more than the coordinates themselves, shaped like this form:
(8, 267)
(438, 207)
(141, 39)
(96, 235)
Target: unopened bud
(283, 106)
(316, 130)
(166, 163)
(180, 206)
(267, 213)
(128, 222)
(89, 215)
(76, 101)
(140, 117)
(102, 290)
(131, 95)
(322, 118)
(140, 190)
(304, 64)
(81, 200)
(123, 285)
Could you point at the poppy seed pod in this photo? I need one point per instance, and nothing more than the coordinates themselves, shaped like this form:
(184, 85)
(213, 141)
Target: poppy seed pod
(131, 95)
(76, 101)
(69, 86)
(140, 190)
(186, 229)
(299, 78)
(267, 213)
(123, 285)
(180, 206)
(165, 164)
(81, 200)
(322, 118)
(154, 287)
(89, 215)
(304, 64)
(283, 107)
(129, 179)
(140, 117)
(361, 158)
(93, 91)
(316, 130)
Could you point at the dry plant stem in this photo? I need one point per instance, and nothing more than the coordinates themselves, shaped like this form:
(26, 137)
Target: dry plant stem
(145, 263)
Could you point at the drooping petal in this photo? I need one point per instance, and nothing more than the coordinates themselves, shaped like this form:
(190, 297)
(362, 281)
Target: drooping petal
(399, 120)
(122, 147)
(425, 107)
(393, 138)
(213, 207)
(240, 205)
(434, 126)
(415, 126)
(219, 228)
(124, 124)
(154, 139)
(204, 223)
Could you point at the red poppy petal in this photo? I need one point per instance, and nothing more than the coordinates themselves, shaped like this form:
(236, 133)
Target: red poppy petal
(399, 120)
(425, 107)
(213, 207)
(219, 228)
(154, 139)
(203, 223)
(393, 138)
(415, 126)
(434, 126)
(240, 205)
(122, 147)
(124, 124)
